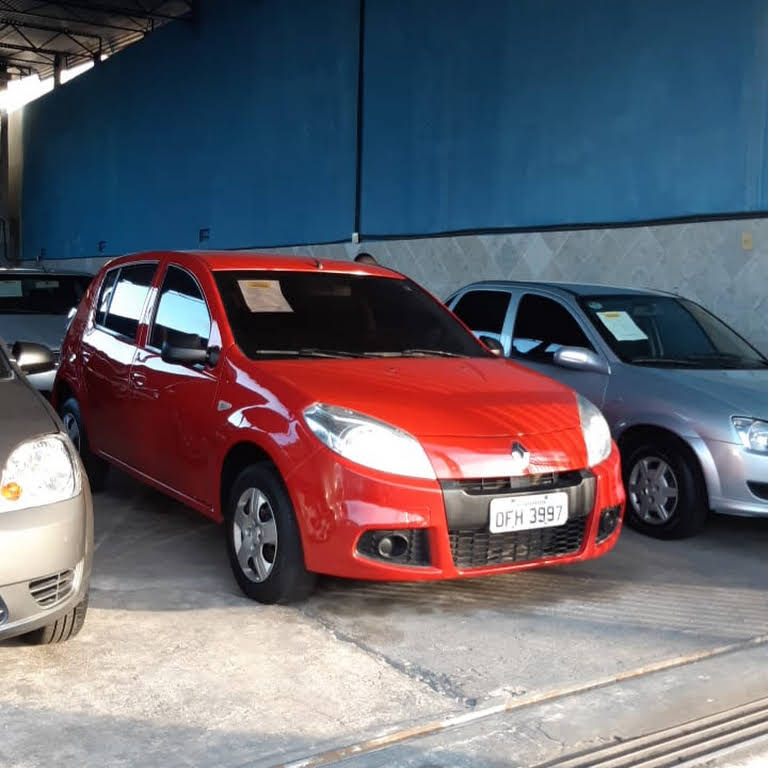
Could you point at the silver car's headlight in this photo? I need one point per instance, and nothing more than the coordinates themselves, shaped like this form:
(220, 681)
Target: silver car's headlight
(368, 441)
(39, 471)
(753, 433)
(597, 435)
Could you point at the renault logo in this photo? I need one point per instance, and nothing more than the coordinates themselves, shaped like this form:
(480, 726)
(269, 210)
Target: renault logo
(520, 458)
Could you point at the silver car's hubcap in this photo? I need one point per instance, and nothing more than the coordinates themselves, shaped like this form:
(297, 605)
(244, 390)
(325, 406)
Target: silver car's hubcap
(653, 490)
(254, 535)
(73, 430)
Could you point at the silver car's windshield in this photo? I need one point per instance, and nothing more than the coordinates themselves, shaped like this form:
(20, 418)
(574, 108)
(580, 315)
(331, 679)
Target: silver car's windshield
(670, 332)
(5, 368)
(40, 294)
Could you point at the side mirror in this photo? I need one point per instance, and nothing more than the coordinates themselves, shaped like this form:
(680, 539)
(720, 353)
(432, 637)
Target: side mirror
(189, 355)
(580, 359)
(33, 358)
(494, 345)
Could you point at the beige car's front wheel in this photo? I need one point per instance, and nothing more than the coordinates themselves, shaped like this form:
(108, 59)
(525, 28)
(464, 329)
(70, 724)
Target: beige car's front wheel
(61, 630)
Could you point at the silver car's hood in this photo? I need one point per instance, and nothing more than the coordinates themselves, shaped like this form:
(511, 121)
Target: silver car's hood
(744, 392)
(42, 329)
(23, 415)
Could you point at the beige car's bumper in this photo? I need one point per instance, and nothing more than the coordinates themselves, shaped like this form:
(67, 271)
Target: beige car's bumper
(45, 563)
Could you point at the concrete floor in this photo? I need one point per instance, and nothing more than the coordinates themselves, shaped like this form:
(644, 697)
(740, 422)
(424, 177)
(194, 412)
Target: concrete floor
(176, 668)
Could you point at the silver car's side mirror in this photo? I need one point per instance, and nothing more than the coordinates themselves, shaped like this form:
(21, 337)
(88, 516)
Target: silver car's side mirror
(580, 359)
(33, 358)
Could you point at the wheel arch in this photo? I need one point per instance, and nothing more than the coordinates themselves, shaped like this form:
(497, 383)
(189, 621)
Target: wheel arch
(239, 456)
(62, 391)
(694, 448)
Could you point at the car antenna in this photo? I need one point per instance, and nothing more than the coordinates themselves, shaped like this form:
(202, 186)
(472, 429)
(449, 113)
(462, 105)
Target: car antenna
(318, 263)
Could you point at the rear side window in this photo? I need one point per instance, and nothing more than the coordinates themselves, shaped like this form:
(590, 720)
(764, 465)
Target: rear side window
(182, 315)
(105, 295)
(127, 300)
(483, 310)
(544, 325)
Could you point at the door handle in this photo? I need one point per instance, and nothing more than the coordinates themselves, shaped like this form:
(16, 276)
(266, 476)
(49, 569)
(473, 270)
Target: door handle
(138, 379)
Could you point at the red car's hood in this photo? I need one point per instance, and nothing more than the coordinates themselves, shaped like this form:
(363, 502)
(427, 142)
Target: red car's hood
(437, 396)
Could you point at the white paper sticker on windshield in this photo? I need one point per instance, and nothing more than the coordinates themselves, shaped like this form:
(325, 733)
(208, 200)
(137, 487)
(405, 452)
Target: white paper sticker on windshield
(10, 288)
(622, 326)
(264, 296)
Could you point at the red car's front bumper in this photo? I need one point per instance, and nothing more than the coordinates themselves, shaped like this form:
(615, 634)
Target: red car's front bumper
(337, 502)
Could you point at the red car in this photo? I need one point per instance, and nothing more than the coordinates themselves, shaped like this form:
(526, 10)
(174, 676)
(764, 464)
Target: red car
(336, 417)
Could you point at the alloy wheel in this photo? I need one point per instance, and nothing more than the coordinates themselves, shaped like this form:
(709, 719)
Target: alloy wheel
(653, 490)
(254, 535)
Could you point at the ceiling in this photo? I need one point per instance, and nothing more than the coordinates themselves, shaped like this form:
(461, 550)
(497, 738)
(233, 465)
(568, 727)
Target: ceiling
(35, 34)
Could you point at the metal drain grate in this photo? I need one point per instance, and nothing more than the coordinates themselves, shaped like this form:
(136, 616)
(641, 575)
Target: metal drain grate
(707, 738)
(51, 590)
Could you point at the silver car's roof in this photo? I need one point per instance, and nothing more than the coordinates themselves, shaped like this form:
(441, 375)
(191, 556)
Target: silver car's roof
(573, 289)
(28, 272)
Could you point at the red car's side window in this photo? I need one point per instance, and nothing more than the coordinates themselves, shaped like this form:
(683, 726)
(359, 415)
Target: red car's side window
(182, 313)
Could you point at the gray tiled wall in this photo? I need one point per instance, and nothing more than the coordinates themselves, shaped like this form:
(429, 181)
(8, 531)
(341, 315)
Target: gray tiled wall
(711, 262)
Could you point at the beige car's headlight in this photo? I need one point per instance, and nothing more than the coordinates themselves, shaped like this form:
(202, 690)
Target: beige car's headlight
(40, 471)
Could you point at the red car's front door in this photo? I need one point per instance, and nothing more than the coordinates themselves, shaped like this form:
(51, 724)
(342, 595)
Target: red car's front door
(108, 347)
(174, 403)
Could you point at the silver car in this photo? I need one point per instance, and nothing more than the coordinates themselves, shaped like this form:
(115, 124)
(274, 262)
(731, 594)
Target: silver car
(35, 305)
(686, 397)
(46, 518)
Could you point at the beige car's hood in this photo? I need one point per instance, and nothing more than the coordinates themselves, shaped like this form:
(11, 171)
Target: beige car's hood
(23, 415)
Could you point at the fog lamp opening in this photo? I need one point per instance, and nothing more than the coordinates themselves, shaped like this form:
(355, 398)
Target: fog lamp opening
(609, 521)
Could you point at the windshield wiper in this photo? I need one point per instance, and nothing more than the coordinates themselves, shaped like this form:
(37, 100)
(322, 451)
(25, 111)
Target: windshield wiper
(724, 357)
(306, 352)
(415, 353)
(664, 361)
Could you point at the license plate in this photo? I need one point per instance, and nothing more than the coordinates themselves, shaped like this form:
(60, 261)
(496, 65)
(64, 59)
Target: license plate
(523, 513)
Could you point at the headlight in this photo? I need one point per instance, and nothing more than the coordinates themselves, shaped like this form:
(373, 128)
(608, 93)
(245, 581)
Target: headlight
(40, 471)
(597, 435)
(368, 441)
(753, 433)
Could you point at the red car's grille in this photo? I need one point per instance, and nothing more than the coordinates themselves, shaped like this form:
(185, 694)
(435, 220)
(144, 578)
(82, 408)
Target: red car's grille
(467, 504)
(475, 549)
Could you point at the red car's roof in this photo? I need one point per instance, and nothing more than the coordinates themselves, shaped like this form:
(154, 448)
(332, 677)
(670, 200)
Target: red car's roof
(220, 261)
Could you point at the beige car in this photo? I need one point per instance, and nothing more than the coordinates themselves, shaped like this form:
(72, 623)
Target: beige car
(46, 517)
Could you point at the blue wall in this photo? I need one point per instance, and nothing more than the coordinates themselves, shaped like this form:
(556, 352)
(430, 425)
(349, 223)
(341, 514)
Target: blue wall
(534, 112)
(244, 124)
(477, 114)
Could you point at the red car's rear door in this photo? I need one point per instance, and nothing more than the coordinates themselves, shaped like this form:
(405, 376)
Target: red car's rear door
(108, 347)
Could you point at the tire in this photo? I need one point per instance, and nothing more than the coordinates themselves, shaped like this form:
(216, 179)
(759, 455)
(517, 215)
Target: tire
(96, 468)
(61, 630)
(262, 538)
(666, 496)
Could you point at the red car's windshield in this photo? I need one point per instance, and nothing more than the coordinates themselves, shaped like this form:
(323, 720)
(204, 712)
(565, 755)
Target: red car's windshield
(325, 313)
